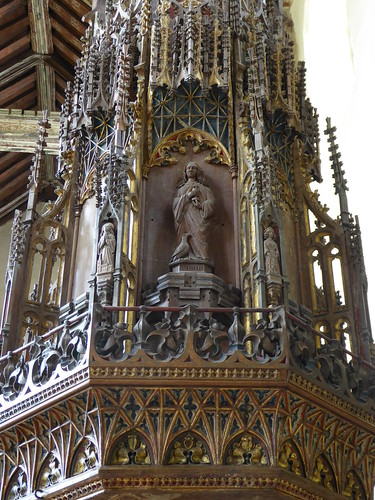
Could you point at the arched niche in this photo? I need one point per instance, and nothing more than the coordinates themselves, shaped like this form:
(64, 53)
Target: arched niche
(164, 173)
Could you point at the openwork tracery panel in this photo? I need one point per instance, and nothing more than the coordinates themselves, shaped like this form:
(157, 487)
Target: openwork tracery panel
(188, 108)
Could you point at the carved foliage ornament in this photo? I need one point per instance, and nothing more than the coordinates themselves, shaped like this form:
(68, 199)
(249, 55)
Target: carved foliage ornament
(289, 458)
(50, 473)
(86, 458)
(130, 450)
(246, 451)
(163, 155)
(188, 450)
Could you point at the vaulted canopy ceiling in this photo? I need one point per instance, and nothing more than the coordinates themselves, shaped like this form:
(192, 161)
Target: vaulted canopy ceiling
(40, 42)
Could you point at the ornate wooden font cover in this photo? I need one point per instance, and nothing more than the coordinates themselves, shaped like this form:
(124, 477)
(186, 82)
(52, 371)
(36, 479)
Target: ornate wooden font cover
(184, 318)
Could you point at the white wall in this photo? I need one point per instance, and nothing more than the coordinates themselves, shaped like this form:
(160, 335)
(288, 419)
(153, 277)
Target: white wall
(339, 47)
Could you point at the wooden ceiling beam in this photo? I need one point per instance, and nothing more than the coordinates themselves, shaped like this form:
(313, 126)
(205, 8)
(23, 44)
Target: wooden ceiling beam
(71, 21)
(66, 35)
(80, 9)
(64, 49)
(45, 80)
(19, 68)
(19, 131)
(13, 204)
(60, 69)
(42, 43)
(27, 101)
(41, 33)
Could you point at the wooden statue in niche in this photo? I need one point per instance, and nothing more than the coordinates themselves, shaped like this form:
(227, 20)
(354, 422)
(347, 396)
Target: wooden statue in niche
(106, 249)
(272, 267)
(193, 208)
(106, 263)
(190, 229)
(271, 252)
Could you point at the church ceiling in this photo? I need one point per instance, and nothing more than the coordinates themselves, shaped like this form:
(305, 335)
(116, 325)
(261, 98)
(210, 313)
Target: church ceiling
(40, 42)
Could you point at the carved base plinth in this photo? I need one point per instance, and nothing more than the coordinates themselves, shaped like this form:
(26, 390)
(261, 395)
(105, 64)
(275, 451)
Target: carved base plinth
(183, 265)
(200, 288)
(182, 482)
(274, 288)
(105, 288)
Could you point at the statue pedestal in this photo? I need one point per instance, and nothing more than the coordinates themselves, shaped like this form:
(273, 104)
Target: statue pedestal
(189, 265)
(200, 288)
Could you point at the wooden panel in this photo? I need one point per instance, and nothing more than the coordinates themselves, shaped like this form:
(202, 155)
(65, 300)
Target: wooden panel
(13, 50)
(19, 183)
(17, 169)
(68, 19)
(8, 159)
(8, 94)
(64, 50)
(11, 11)
(66, 35)
(13, 31)
(19, 131)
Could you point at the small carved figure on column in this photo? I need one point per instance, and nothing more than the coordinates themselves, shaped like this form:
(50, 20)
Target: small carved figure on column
(271, 252)
(106, 249)
(272, 267)
(106, 263)
(193, 207)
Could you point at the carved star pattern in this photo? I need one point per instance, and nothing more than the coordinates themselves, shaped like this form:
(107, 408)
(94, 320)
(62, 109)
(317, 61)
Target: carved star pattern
(189, 108)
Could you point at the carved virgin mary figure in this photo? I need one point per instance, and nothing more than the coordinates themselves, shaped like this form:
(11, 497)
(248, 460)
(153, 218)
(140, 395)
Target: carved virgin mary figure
(193, 207)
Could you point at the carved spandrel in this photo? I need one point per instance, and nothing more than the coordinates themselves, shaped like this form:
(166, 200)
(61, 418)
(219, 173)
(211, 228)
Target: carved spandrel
(131, 450)
(246, 451)
(188, 450)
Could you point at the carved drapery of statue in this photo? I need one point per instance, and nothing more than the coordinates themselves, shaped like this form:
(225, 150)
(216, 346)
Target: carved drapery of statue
(106, 249)
(193, 208)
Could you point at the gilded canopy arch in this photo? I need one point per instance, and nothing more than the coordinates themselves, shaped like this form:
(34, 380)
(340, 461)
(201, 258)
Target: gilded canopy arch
(177, 143)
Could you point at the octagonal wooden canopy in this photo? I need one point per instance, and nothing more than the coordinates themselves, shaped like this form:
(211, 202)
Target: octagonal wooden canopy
(40, 42)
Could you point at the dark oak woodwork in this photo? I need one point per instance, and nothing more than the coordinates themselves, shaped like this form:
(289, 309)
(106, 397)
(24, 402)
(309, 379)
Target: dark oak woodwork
(13, 30)
(19, 168)
(8, 95)
(14, 49)
(11, 11)
(14, 185)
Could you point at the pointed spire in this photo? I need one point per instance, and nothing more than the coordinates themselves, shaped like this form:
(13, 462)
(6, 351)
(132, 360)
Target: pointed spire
(338, 173)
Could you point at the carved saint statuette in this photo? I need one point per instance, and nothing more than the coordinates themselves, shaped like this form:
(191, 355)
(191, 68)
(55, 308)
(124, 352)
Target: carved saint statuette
(272, 267)
(193, 208)
(106, 263)
(106, 249)
(271, 252)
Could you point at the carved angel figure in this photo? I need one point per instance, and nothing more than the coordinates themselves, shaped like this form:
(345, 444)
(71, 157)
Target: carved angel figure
(193, 207)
